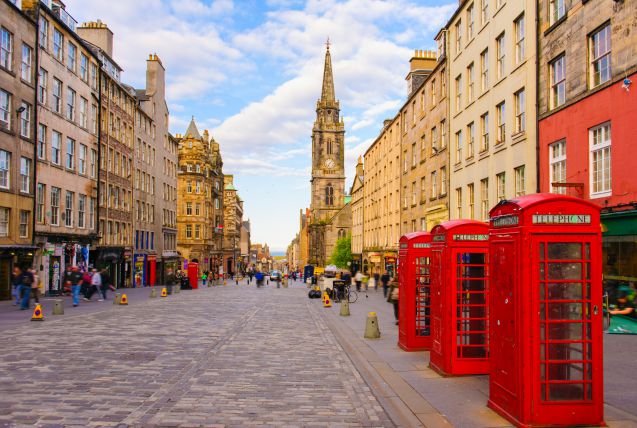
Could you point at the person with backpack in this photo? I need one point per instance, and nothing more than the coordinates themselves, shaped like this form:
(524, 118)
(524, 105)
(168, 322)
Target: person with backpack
(76, 278)
(26, 282)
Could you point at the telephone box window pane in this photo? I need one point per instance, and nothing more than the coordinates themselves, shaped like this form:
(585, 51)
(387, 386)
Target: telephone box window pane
(565, 371)
(423, 303)
(472, 271)
(564, 250)
(565, 291)
(566, 391)
(565, 331)
(471, 258)
(472, 312)
(542, 274)
(566, 351)
(587, 250)
(565, 271)
(473, 298)
(542, 251)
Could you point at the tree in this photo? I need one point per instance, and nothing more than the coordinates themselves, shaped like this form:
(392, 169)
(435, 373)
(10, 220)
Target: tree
(342, 253)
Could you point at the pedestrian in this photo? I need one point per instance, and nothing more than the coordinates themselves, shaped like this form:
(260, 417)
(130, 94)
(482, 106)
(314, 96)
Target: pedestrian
(394, 296)
(170, 280)
(358, 279)
(259, 276)
(376, 281)
(204, 278)
(106, 282)
(66, 281)
(250, 275)
(35, 286)
(16, 278)
(87, 288)
(96, 285)
(25, 288)
(384, 279)
(76, 279)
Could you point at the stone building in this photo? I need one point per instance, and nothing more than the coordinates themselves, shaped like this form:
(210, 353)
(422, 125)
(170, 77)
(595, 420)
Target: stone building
(232, 220)
(115, 214)
(425, 174)
(292, 254)
(18, 41)
(492, 88)
(328, 173)
(155, 174)
(356, 192)
(587, 66)
(67, 145)
(200, 200)
(244, 244)
(304, 248)
(381, 199)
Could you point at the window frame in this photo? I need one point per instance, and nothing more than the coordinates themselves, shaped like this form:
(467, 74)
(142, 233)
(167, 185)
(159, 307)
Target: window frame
(557, 161)
(602, 147)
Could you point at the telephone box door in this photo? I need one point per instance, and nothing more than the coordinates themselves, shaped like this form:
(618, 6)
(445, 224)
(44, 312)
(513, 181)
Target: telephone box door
(569, 327)
(436, 302)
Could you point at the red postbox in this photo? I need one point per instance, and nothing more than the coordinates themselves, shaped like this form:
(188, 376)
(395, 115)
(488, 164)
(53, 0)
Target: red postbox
(459, 298)
(414, 327)
(546, 311)
(193, 274)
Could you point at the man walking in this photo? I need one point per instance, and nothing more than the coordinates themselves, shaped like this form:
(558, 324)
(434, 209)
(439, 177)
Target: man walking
(96, 286)
(385, 281)
(76, 279)
(358, 278)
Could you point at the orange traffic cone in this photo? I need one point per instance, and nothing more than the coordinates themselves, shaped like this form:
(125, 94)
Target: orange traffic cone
(164, 293)
(37, 313)
(123, 300)
(327, 302)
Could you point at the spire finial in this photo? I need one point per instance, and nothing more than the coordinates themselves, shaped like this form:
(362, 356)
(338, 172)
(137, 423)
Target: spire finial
(327, 44)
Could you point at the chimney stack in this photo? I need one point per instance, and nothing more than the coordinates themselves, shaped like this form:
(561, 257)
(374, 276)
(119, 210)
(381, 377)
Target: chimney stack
(98, 34)
(420, 66)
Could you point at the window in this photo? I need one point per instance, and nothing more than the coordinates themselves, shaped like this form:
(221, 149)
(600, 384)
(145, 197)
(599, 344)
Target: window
(43, 33)
(557, 71)
(197, 209)
(56, 147)
(484, 15)
(432, 92)
(197, 231)
(557, 159)
(414, 155)
(556, 10)
(501, 186)
(520, 117)
(471, 135)
(520, 181)
(81, 211)
(458, 36)
(423, 190)
(470, 83)
(82, 159)
(42, 86)
(413, 193)
(93, 118)
(70, 104)
(329, 148)
(519, 39)
(189, 231)
(5, 215)
(458, 93)
(600, 159)
(70, 153)
(25, 175)
(188, 208)
(5, 109)
(93, 163)
(68, 211)
(25, 120)
(72, 59)
(26, 71)
(459, 202)
(484, 70)
(197, 186)
(484, 132)
(83, 111)
(84, 67)
(24, 224)
(92, 202)
(423, 148)
(39, 209)
(58, 45)
(470, 22)
(443, 134)
(433, 184)
(484, 199)
(6, 48)
(434, 140)
(405, 161)
(189, 187)
(500, 55)
(55, 206)
(41, 149)
(471, 197)
(500, 122)
(5, 171)
(329, 195)
(57, 96)
(443, 180)
(599, 55)
(93, 76)
(458, 147)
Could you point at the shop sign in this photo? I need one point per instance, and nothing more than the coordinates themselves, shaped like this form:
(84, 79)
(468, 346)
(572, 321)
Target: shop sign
(561, 219)
(439, 238)
(422, 245)
(505, 221)
(466, 237)
(152, 257)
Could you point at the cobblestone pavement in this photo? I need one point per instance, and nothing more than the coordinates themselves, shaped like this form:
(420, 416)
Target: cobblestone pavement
(222, 356)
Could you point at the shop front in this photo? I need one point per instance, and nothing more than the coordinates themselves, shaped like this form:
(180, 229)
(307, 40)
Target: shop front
(10, 256)
(118, 261)
(391, 260)
(140, 272)
(619, 251)
(53, 258)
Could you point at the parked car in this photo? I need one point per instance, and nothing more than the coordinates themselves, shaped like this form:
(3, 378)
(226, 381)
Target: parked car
(275, 275)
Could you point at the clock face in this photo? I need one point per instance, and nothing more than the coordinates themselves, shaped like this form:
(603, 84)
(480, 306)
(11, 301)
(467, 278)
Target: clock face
(329, 163)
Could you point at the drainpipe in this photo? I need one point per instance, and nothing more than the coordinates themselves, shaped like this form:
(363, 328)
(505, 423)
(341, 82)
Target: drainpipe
(537, 98)
(99, 149)
(35, 125)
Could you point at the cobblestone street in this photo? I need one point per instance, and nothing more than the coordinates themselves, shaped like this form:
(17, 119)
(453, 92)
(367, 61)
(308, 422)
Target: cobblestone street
(226, 356)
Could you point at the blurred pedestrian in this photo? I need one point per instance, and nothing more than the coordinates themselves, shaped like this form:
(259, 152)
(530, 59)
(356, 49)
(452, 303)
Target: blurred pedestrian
(384, 279)
(106, 282)
(16, 278)
(204, 278)
(358, 279)
(35, 286)
(76, 279)
(96, 286)
(394, 296)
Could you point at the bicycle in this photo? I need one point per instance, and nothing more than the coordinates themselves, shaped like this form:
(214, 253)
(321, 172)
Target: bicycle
(352, 295)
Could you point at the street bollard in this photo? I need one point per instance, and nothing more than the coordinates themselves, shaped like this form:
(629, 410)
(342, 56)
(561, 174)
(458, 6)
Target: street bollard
(153, 292)
(117, 298)
(178, 289)
(344, 307)
(371, 328)
(58, 307)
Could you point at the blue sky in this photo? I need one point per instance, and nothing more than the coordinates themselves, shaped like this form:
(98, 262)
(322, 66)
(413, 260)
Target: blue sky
(250, 72)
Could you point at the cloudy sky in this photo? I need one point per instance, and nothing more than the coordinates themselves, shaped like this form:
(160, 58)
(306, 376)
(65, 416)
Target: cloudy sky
(250, 71)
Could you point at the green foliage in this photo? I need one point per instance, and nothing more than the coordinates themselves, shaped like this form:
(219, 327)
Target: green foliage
(342, 252)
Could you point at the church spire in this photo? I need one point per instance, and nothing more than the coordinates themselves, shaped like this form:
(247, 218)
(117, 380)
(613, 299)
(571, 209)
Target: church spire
(327, 93)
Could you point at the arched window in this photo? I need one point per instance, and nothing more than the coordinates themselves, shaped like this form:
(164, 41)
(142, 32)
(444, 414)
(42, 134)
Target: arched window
(329, 146)
(329, 195)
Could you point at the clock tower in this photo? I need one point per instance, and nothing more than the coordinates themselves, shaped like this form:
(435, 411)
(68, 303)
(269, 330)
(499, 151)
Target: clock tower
(328, 152)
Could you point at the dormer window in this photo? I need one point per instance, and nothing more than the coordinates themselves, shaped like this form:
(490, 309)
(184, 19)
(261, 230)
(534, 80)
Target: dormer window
(188, 167)
(197, 168)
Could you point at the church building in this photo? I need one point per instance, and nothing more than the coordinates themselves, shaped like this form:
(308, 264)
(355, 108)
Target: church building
(330, 211)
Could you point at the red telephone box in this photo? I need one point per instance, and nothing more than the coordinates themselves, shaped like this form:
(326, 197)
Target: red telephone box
(193, 274)
(546, 311)
(414, 327)
(459, 298)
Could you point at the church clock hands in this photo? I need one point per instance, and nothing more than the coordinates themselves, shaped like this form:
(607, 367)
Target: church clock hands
(329, 163)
